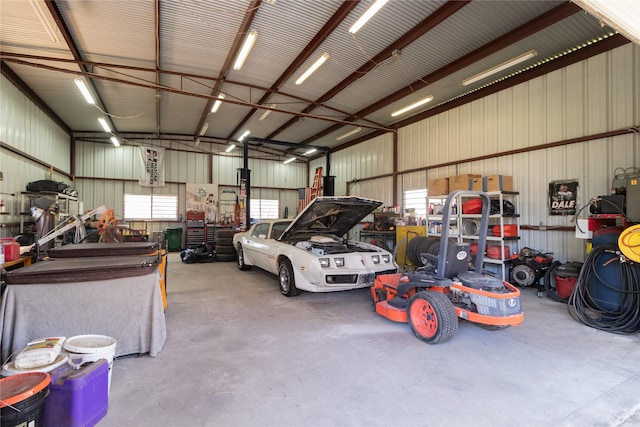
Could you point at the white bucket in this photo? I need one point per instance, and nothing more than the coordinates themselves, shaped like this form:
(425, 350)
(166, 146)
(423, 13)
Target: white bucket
(90, 348)
(9, 369)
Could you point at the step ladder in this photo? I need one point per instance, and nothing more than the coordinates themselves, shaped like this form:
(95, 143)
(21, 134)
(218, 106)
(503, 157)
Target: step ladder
(312, 192)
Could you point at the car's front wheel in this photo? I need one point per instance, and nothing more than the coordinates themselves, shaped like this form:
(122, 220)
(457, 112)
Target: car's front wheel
(241, 264)
(287, 280)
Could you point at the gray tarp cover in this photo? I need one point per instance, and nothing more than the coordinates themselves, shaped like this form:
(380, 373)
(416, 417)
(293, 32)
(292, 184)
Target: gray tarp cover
(128, 309)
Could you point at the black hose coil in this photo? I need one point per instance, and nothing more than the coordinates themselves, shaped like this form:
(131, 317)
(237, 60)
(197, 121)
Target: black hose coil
(581, 304)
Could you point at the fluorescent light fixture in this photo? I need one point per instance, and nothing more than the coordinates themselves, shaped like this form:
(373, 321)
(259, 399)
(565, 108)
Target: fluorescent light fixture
(246, 48)
(289, 160)
(313, 150)
(204, 128)
(197, 143)
(412, 106)
(104, 125)
(367, 15)
(351, 132)
(115, 141)
(229, 148)
(85, 92)
(500, 67)
(43, 18)
(266, 112)
(243, 136)
(313, 68)
(218, 103)
(621, 15)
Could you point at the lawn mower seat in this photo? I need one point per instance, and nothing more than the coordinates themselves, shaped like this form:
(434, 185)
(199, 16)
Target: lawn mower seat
(475, 280)
(457, 260)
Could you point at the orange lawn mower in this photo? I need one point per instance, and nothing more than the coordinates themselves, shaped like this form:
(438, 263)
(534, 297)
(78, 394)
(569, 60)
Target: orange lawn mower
(433, 297)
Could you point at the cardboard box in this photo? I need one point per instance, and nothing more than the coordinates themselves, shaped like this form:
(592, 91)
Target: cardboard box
(497, 183)
(438, 187)
(477, 184)
(462, 182)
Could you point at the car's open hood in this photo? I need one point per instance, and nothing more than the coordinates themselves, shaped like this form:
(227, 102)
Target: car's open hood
(337, 214)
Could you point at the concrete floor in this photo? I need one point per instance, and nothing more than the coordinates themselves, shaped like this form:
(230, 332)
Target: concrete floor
(240, 354)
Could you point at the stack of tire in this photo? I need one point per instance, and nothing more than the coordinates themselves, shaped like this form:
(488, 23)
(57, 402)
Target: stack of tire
(225, 251)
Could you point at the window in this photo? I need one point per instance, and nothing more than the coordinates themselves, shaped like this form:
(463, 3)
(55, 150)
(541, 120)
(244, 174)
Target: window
(278, 228)
(264, 209)
(416, 199)
(149, 207)
(260, 229)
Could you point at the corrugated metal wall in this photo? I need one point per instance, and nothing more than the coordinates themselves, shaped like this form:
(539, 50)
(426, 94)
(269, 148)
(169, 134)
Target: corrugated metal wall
(113, 172)
(26, 128)
(598, 95)
(351, 166)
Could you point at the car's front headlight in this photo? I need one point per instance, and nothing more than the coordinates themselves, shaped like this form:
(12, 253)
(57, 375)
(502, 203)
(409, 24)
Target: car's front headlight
(375, 259)
(339, 262)
(386, 258)
(324, 262)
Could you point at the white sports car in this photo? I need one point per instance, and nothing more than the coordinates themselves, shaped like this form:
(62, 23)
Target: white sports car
(309, 252)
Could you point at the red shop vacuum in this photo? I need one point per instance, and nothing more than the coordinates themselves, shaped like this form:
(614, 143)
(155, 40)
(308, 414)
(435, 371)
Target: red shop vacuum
(560, 280)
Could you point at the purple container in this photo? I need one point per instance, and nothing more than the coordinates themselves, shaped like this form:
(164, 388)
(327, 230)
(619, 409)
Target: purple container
(78, 398)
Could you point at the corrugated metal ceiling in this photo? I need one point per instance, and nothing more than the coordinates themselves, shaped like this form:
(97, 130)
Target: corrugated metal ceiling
(131, 48)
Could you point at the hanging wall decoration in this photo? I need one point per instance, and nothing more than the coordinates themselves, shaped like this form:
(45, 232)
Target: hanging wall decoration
(151, 166)
(563, 195)
(202, 202)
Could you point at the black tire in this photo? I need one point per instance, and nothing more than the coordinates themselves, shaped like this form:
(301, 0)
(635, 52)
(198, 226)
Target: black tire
(240, 259)
(225, 257)
(550, 283)
(225, 233)
(225, 241)
(432, 317)
(418, 245)
(410, 251)
(225, 250)
(286, 279)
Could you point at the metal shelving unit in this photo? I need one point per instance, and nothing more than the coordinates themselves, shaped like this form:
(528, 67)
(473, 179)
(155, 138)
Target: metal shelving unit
(461, 226)
(67, 205)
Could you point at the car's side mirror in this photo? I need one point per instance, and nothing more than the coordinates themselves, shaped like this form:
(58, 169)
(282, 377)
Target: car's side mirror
(262, 236)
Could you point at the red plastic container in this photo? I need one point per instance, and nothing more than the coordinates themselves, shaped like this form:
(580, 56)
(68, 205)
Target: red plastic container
(493, 252)
(78, 397)
(473, 206)
(510, 230)
(565, 285)
(11, 248)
